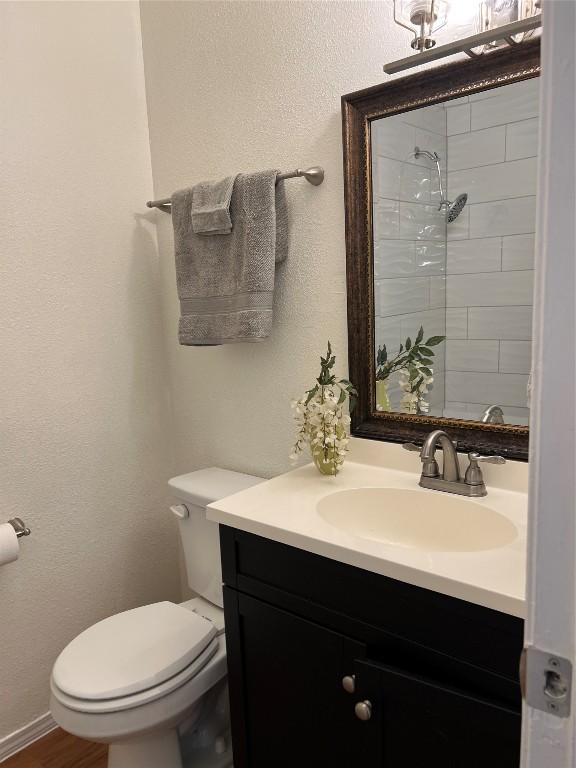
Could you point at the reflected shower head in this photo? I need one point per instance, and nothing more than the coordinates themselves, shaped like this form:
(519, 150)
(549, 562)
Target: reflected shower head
(454, 209)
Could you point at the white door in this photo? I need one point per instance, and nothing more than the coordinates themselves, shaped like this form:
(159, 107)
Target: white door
(549, 740)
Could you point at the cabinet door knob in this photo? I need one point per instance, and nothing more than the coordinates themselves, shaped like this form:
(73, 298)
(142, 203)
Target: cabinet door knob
(349, 683)
(363, 710)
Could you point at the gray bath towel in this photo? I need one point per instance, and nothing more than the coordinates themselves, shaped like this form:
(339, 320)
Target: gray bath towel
(226, 282)
(211, 207)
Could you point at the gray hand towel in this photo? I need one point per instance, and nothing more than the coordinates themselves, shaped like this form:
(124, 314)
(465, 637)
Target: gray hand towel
(226, 283)
(211, 207)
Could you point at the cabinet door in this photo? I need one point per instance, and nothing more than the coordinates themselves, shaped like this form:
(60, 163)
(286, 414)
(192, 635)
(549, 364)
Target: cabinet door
(417, 723)
(289, 708)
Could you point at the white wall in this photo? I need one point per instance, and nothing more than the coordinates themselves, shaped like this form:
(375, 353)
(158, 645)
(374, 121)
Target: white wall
(492, 149)
(246, 85)
(84, 449)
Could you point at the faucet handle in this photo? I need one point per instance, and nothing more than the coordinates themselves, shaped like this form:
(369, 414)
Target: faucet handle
(429, 465)
(473, 474)
(486, 459)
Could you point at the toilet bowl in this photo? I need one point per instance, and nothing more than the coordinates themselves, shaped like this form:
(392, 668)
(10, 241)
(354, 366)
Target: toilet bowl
(137, 679)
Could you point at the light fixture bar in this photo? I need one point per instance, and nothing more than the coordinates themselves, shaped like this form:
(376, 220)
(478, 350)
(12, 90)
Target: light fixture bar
(506, 32)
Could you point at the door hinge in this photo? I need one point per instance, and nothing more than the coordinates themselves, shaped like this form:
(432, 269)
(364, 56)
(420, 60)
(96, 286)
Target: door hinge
(546, 681)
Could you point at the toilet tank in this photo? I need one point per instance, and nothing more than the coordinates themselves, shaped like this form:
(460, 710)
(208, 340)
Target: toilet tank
(200, 537)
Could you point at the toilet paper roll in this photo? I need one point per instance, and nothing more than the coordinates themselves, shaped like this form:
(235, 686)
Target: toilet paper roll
(9, 547)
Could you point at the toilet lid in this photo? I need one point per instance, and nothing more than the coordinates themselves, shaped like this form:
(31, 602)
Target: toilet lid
(131, 651)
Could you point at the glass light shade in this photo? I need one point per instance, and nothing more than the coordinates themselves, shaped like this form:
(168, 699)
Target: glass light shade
(422, 18)
(495, 13)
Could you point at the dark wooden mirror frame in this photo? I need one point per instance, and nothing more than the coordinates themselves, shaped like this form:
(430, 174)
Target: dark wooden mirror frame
(359, 109)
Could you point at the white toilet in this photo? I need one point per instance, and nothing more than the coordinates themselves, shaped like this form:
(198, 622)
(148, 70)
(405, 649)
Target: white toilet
(140, 678)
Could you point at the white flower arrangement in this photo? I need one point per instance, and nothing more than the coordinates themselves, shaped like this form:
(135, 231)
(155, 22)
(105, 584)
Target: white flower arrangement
(322, 420)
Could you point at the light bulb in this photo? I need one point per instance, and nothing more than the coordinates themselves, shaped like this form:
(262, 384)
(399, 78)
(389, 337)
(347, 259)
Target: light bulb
(420, 9)
(426, 12)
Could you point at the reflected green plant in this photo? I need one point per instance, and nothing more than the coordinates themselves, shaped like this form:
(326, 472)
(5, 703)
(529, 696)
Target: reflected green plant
(412, 355)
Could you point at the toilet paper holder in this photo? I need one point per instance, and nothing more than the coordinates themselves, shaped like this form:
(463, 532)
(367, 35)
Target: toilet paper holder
(20, 527)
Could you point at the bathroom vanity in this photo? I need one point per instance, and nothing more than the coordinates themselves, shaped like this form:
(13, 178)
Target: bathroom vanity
(331, 665)
(352, 644)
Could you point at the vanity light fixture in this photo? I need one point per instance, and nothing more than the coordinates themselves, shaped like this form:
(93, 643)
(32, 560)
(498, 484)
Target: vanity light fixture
(495, 13)
(497, 23)
(422, 18)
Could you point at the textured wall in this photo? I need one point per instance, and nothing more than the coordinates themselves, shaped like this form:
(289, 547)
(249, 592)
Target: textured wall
(83, 406)
(241, 86)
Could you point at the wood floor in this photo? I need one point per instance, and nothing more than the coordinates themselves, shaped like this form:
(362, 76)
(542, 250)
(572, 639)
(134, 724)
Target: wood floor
(60, 750)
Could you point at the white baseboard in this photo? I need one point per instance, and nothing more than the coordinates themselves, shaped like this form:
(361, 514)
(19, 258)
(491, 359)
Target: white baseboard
(21, 739)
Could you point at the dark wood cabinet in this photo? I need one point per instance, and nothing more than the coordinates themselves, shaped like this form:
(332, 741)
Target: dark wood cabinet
(292, 671)
(419, 722)
(427, 690)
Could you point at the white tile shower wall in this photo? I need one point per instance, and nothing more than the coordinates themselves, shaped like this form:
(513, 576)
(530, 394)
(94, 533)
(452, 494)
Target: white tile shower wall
(409, 236)
(492, 148)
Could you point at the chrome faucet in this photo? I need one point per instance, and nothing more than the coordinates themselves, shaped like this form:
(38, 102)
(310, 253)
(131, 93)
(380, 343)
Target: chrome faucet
(450, 480)
(493, 415)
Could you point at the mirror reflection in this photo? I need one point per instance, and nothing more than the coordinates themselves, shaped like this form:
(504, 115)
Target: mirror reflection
(454, 211)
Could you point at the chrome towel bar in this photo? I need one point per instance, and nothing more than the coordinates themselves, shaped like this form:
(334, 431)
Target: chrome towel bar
(20, 527)
(314, 175)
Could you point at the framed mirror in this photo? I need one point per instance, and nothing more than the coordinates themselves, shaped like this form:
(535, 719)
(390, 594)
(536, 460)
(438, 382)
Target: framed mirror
(440, 195)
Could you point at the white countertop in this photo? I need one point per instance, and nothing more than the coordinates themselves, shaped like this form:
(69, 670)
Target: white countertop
(284, 509)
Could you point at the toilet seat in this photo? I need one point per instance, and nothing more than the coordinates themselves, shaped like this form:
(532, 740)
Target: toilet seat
(167, 711)
(101, 706)
(134, 657)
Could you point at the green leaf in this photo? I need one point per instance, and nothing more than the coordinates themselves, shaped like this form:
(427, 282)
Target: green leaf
(433, 341)
(382, 355)
(427, 371)
(342, 396)
(420, 335)
(426, 361)
(408, 343)
(426, 351)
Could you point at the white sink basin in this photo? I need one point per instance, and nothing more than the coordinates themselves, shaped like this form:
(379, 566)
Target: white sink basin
(425, 520)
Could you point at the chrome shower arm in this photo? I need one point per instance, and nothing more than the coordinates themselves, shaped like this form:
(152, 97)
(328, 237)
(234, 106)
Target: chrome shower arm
(442, 198)
(435, 157)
